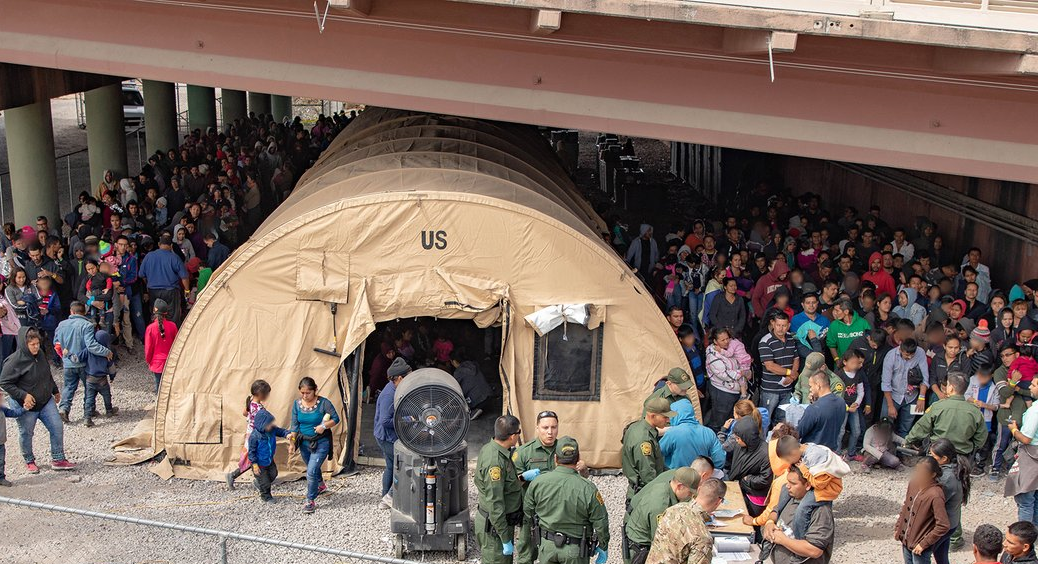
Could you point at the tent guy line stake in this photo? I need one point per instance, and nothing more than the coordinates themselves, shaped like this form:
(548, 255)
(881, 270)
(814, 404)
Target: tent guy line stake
(321, 19)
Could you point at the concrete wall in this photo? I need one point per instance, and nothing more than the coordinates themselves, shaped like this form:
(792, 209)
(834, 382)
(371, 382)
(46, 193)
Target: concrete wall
(1010, 260)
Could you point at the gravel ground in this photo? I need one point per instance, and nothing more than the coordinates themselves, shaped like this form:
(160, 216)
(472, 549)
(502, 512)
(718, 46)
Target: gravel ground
(349, 518)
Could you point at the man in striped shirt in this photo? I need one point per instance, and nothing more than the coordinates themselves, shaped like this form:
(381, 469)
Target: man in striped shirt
(778, 355)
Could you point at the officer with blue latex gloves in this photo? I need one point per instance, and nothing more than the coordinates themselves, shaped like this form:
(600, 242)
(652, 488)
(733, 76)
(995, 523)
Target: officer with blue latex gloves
(500, 500)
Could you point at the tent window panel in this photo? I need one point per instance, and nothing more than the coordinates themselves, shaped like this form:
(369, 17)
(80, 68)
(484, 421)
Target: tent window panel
(197, 418)
(567, 364)
(322, 276)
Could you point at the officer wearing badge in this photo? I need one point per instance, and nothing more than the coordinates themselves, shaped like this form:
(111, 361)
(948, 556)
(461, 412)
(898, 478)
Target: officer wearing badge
(682, 536)
(531, 459)
(676, 387)
(500, 501)
(647, 509)
(567, 511)
(641, 459)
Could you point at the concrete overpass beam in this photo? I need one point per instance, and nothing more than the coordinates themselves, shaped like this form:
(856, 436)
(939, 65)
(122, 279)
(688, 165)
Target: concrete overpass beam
(106, 133)
(973, 62)
(201, 107)
(30, 152)
(355, 7)
(233, 105)
(259, 103)
(280, 107)
(544, 22)
(160, 115)
(755, 41)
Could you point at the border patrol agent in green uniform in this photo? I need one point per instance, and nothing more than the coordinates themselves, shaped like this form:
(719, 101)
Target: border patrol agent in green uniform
(536, 455)
(647, 509)
(641, 459)
(568, 513)
(676, 388)
(500, 505)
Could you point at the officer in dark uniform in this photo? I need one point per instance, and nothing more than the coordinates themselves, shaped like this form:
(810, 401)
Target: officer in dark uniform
(568, 513)
(500, 504)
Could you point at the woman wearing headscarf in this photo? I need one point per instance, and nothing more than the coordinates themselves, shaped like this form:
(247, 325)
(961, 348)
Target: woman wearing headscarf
(27, 379)
(750, 464)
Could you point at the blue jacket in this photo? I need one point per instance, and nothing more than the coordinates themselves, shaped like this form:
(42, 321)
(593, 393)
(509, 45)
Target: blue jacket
(823, 420)
(384, 429)
(96, 364)
(218, 255)
(695, 360)
(49, 321)
(687, 440)
(76, 336)
(263, 443)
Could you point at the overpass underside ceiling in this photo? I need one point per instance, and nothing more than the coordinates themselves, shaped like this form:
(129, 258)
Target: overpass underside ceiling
(21, 85)
(927, 107)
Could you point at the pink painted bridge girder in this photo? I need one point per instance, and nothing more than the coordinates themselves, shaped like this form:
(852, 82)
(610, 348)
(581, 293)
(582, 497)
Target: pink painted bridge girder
(834, 98)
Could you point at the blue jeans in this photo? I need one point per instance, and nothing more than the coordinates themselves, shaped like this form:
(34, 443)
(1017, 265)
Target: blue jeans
(1004, 437)
(387, 473)
(73, 376)
(137, 315)
(854, 421)
(942, 547)
(50, 419)
(314, 459)
(695, 305)
(90, 397)
(1027, 507)
(772, 400)
(903, 416)
(910, 558)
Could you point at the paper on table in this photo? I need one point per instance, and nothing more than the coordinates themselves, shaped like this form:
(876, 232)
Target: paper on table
(732, 544)
(727, 513)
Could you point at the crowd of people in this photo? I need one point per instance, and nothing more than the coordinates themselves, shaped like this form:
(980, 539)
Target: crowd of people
(822, 347)
(127, 262)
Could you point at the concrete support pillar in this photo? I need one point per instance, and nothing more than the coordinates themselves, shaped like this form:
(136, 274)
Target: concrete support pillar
(106, 134)
(281, 107)
(160, 116)
(30, 153)
(233, 102)
(201, 107)
(259, 103)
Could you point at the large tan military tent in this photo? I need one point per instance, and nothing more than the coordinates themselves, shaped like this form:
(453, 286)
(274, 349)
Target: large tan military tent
(410, 215)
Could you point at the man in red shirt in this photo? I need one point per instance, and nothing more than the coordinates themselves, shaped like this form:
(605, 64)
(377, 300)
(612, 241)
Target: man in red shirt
(881, 278)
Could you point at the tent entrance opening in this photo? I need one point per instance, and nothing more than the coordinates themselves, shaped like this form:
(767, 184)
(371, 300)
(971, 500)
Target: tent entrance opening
(458, 346)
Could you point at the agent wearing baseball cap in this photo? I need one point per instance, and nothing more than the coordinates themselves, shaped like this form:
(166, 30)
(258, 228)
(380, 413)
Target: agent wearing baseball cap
(641, 458)
(676, 387)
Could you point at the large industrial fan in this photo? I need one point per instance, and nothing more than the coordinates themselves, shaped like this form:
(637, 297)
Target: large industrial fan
(430, 487)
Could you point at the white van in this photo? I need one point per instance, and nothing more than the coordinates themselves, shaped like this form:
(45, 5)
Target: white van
(133, 105)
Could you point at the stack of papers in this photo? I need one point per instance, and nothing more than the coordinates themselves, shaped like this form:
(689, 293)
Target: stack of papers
(729, 549)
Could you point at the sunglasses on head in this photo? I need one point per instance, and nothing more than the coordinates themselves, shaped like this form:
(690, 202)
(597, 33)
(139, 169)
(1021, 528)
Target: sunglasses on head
(544, 414)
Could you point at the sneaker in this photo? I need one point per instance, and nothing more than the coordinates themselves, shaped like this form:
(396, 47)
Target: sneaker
(958, 543)
(475, 414)
(63, 415)
(230, 480)
(5, 482)
(994, 475)
(31, 468)
(386, 502)
(267, 498)
(322, 488)
(95, 413)
(978, 471)
(88, 422)
(858, 458)
(310, 506)
(62, 465)
(112, 412)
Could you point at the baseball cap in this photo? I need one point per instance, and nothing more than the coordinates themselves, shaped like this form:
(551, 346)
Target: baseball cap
(687, 477)
(680, 377)
(567, 450)
(660, 406)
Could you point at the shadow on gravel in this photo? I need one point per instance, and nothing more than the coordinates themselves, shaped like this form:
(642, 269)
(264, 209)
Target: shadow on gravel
(865, 506)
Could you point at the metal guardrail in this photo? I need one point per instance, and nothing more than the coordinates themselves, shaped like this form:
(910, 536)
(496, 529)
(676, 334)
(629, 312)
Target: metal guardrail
(222, 535)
